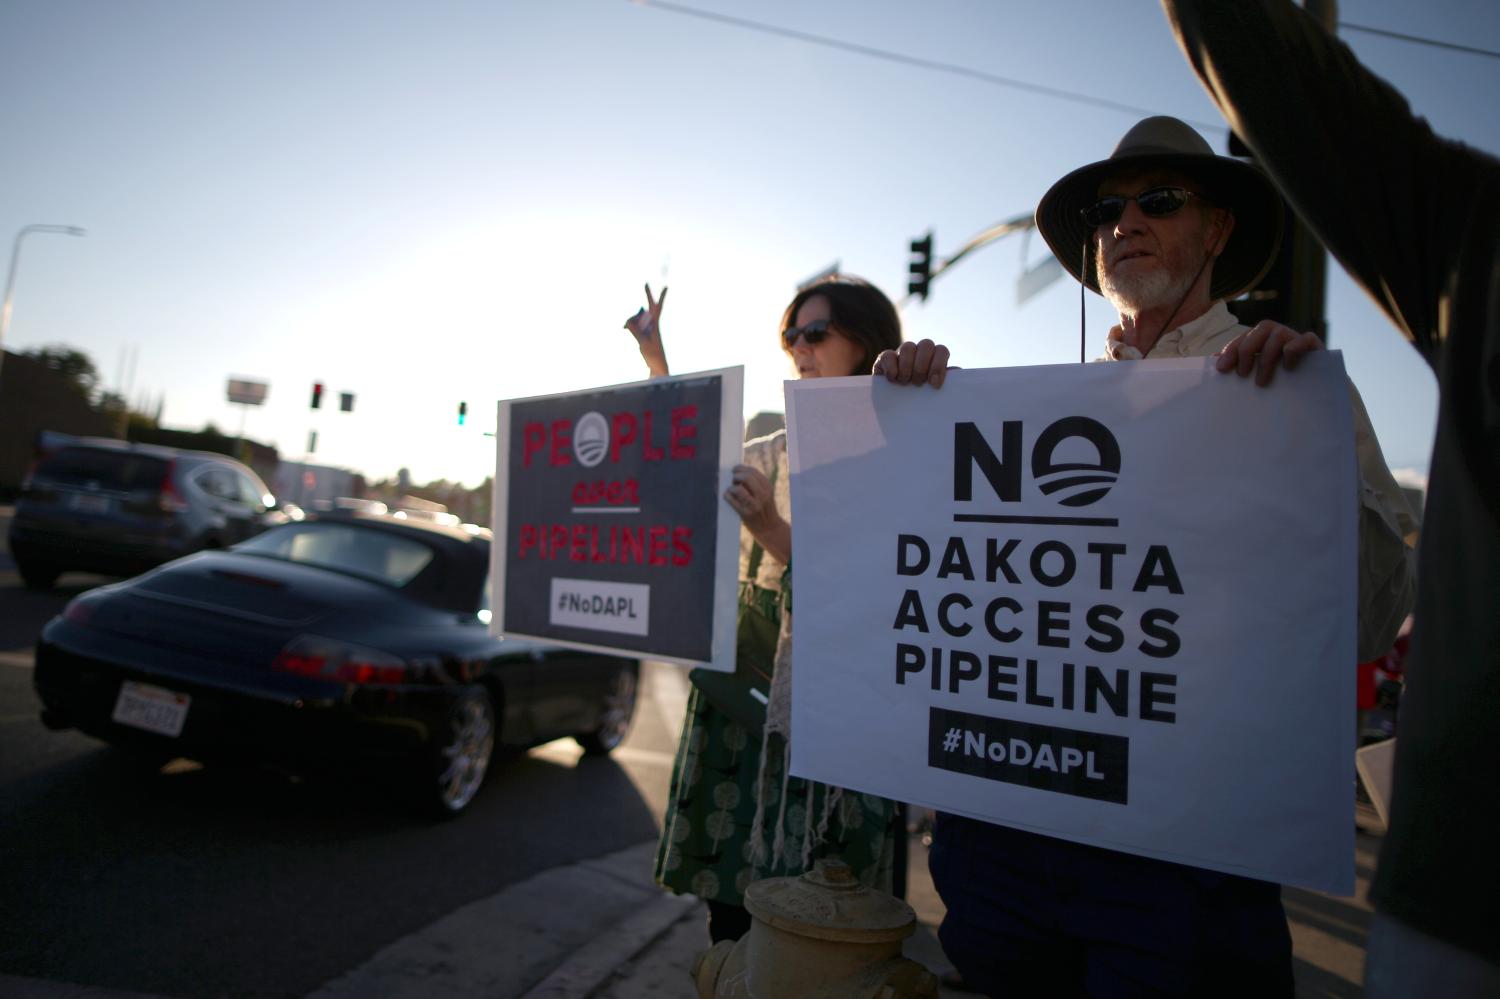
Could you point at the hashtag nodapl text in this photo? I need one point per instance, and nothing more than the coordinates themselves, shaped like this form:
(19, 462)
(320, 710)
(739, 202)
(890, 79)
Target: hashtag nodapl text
(1044, 757)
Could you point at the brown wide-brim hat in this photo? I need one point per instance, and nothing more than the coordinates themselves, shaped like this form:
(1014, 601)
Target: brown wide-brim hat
(1169, 144)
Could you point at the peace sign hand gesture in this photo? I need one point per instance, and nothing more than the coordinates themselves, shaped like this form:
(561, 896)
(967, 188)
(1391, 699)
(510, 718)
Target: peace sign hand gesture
(645, 325)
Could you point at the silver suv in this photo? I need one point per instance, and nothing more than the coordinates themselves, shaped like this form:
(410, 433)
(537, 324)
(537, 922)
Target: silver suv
(106, 506)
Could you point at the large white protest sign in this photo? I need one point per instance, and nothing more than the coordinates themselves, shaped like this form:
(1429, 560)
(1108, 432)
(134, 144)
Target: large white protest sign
(1114, 603)
(610, 533)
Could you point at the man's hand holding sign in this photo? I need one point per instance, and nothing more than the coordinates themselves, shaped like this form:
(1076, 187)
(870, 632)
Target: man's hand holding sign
(1261, 349)
(1258, 350)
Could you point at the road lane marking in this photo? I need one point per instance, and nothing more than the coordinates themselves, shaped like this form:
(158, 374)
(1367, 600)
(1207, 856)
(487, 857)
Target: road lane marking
(20, 660)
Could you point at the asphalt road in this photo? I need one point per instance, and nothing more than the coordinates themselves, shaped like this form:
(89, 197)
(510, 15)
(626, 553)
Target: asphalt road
(221, 882)
(235, 882)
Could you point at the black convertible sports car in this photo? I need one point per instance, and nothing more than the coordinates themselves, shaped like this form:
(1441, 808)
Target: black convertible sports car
(347, 638)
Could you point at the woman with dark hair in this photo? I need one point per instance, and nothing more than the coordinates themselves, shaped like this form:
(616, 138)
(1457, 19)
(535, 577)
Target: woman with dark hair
(735, 814)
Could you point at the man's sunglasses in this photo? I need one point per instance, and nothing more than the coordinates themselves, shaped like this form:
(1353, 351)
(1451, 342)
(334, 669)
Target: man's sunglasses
(1158, 202)
(813, 334)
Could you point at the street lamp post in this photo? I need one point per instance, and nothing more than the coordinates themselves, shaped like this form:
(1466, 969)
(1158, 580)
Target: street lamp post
(10, 279)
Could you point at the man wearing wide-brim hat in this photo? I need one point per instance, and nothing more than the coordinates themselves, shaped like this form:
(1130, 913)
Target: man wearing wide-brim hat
(1166, 231)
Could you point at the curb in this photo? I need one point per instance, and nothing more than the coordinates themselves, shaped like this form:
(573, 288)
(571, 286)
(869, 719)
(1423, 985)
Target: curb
(590, 967)
(559, 934)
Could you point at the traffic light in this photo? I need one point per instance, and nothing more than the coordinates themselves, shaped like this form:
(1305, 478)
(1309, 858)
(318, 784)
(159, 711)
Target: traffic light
(346, 402)
(921, 267)
(463, 411)
(317, 396)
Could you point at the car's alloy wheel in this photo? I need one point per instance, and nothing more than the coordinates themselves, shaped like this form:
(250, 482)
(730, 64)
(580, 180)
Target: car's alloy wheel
(464, 756)
(614, 715)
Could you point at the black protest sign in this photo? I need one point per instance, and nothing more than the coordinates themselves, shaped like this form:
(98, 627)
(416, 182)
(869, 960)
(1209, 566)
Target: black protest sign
(608, 520)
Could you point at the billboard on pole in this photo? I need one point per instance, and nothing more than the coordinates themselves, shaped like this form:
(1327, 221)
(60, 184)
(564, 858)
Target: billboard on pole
(246, 392)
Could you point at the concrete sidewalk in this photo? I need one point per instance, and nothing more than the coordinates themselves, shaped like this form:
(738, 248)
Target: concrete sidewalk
(599, 929)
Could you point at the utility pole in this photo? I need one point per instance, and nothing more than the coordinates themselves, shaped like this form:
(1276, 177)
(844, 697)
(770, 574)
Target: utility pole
(10, 278)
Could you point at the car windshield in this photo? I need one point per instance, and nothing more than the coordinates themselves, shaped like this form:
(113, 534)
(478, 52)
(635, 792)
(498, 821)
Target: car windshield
(365, 552)
(116, 470)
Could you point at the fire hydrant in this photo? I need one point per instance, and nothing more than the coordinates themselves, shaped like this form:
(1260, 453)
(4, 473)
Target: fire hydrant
(819, 936)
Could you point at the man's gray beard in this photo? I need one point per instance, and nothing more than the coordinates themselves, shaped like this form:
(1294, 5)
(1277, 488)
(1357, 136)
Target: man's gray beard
(1137, 293)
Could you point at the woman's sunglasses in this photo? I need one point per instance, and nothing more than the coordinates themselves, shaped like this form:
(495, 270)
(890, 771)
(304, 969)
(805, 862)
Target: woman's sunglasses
(813, 334)
(1158, 202)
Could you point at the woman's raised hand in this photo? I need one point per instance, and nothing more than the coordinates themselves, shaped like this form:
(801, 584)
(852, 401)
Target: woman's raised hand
(645, 326)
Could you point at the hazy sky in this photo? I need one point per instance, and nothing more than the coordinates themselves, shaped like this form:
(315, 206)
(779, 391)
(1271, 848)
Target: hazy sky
(440, 202)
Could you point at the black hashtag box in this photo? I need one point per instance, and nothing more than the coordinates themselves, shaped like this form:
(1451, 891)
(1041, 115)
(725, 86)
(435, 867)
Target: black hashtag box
(1046, 757)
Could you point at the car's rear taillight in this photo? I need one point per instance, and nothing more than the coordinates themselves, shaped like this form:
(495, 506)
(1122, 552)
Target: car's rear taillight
(80, 610)
(168, 499)
(328, 659)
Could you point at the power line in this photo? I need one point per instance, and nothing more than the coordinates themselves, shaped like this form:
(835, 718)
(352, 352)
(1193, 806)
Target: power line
(907, 60)
(1346, 26)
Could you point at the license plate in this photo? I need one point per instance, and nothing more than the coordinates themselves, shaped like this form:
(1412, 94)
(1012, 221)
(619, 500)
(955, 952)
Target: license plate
(88, 503)
(154, 709)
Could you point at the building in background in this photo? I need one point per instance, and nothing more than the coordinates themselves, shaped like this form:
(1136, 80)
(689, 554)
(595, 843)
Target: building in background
(313, 486)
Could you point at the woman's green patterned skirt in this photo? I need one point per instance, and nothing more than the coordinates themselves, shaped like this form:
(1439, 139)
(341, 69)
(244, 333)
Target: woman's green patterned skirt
(707, 844)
